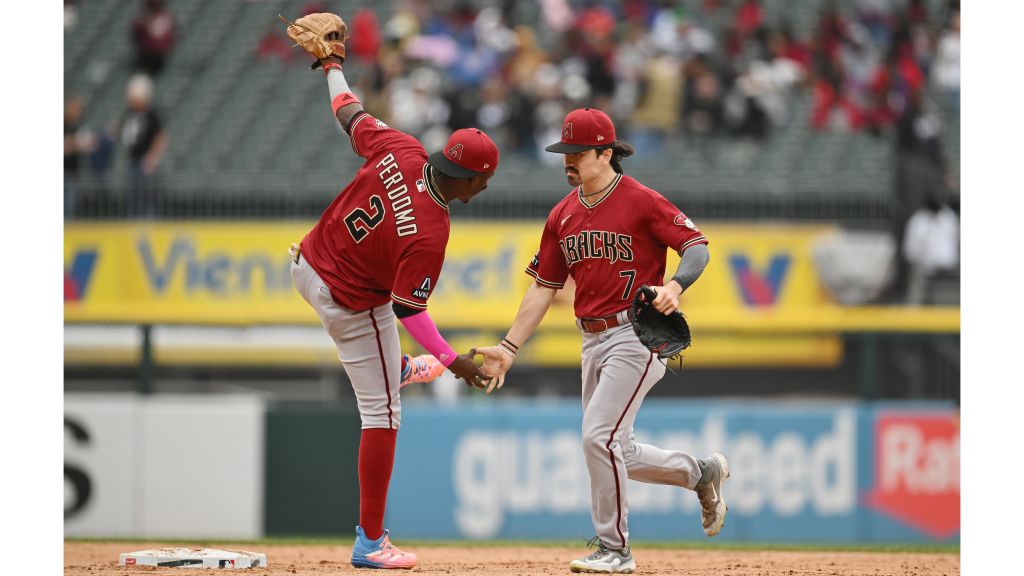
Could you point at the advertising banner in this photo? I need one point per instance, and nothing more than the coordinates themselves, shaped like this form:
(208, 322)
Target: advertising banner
(239, 272)
(801, 472)
(758, 303)
(163, 466)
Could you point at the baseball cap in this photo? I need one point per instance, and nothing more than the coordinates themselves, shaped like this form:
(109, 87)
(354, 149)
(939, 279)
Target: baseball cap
(583, 129)
(469, 153)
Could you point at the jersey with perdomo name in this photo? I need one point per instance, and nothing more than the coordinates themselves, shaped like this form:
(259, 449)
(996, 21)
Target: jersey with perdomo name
(611, 247)
(384, 236)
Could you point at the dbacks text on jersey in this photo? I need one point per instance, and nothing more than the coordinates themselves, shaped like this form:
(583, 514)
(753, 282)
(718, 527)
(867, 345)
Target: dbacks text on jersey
(597, 244)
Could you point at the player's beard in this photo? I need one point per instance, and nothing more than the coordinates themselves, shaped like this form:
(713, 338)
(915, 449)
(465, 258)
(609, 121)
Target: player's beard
(573, 177)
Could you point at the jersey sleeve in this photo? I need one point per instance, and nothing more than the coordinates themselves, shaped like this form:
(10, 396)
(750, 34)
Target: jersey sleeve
(370, 136)
(548, 266)
(416, 277)
(672, 227)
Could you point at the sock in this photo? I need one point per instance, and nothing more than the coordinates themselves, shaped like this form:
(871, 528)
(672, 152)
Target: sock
(703, 465)
(376, 458)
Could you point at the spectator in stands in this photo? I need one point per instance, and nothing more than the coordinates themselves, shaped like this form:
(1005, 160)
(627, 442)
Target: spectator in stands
(656, 116)
(833, 107)
(770, 78)
(77, 143)
(703, 113)
(749, 18)
(947, 61)
(921, 160)
(143, 136)
(931, 246)
(153, 35)
(70, 15)
(366, 36)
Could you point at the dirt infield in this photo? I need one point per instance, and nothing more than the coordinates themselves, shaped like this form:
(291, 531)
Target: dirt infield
(98, 559)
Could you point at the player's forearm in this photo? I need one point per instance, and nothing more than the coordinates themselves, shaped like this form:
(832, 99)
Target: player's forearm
(343, 101)
(532, 309)
(422, 328)
(692, 263)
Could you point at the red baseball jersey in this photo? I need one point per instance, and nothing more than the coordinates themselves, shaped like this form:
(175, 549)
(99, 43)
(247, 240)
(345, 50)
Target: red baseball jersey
(385, 235)
(611, 247)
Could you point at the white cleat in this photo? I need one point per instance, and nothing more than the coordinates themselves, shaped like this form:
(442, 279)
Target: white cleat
(605, 561)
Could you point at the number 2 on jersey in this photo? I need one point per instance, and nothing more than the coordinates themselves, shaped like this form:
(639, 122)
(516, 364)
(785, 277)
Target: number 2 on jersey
(360, 222)
(631, 275)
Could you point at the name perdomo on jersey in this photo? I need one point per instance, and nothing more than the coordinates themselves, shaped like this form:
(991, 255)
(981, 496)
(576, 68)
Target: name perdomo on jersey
(597, 244)
(399, 196)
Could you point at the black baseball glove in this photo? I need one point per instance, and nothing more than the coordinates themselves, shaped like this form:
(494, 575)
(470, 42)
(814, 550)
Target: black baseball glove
(665, 335)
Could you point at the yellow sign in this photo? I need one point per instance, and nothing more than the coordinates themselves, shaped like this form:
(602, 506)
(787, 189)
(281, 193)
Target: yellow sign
(761, 279)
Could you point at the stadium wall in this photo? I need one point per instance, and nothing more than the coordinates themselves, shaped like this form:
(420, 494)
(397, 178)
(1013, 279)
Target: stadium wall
(235, 467)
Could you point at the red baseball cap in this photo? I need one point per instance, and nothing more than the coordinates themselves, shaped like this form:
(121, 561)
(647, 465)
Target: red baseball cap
(469, 153)
(583, 129)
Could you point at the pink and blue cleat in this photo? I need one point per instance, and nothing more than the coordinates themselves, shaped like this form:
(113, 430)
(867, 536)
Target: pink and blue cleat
(379, 553)
(423, 368)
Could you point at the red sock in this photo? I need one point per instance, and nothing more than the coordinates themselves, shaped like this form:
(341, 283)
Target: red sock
(376, 458)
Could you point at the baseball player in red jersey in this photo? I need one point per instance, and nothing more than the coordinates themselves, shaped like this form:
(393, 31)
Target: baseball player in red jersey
(375, 255)
(611, 233)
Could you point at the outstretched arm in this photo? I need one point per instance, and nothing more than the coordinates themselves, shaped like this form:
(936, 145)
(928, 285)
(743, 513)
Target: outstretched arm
(343, 101)
(498, 359)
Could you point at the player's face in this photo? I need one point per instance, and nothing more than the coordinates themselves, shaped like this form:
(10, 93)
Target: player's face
(583, 166)
(477, 184)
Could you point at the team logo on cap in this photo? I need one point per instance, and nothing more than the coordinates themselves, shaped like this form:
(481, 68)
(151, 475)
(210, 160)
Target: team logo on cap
(455, 152)
(567, 131)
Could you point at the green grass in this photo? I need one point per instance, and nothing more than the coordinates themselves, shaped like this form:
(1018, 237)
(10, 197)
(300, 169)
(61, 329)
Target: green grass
(346, 540)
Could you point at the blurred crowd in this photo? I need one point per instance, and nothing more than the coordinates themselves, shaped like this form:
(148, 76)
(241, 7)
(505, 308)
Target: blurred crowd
(661, 70)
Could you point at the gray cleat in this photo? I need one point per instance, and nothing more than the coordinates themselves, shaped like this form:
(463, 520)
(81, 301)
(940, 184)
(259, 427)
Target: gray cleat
(715, 469)
(605, 560)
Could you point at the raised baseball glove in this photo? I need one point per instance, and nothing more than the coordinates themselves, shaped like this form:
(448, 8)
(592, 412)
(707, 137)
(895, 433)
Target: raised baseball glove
(322, 34)
(666, 335)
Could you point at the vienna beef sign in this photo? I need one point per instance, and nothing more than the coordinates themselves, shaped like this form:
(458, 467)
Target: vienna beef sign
(917, 470)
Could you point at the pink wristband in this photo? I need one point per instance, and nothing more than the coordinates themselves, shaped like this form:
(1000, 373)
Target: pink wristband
(343, 100)
(424, 331)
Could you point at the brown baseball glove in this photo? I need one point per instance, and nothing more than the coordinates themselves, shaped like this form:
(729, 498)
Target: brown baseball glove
(322, 34)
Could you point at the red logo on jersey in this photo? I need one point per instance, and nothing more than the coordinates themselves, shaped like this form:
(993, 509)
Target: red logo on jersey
(129, 561)
(455, 152)
(917, 471)
(567, 131)
(682, 220)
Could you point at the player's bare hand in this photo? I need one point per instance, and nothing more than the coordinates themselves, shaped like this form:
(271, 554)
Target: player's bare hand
(464, 367)
(667, 300)
(497, 361)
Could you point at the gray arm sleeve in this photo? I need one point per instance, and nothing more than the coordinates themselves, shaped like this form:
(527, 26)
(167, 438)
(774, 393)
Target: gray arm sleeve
(691, 264)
